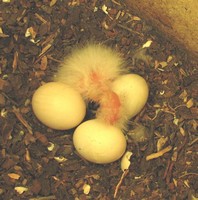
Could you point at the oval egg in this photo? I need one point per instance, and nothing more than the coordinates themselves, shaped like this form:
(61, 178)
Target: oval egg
(98, 142)
(133, 92)
(58, 106)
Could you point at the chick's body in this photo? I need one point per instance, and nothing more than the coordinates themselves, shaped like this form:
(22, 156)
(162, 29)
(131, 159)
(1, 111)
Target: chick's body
(91, 70)
(90, 67)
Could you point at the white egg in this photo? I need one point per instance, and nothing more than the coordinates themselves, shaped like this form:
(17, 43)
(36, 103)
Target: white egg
(99, 142)
(58, 106)
(133, 92)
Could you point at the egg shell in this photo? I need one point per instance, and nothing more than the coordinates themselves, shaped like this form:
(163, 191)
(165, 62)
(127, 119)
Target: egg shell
(58, 106)
(133, 92)
(98, 142)
(125, 161)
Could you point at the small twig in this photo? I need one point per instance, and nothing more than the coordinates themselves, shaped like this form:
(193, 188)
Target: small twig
(120, 182)
(21, 119)
(44, 198)
(15, 61)
(188, 174)
(130, 30)
(159, 153)
(43, 53)
(193, 142)
(45, 49)
(115, 2)
(40, 18)
(54, 59)
(169, 173)
(11, 100)
(166, 170)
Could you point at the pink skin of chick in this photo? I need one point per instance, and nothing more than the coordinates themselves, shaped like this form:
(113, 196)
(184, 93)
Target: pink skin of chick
(109, 101)
(91, 70)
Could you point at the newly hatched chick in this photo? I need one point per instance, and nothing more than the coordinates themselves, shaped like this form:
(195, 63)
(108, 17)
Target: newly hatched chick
(91, 70)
